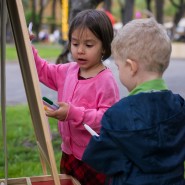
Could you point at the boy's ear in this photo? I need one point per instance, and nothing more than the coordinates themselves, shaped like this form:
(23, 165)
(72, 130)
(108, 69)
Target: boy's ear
(133, 66)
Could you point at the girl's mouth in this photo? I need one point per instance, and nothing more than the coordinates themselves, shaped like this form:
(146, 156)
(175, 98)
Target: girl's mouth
(81, 61)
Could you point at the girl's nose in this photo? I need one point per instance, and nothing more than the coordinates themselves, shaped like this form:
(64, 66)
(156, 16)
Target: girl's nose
(81, 49)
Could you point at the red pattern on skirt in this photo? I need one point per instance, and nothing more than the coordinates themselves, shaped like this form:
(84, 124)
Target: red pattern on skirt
(80, 170)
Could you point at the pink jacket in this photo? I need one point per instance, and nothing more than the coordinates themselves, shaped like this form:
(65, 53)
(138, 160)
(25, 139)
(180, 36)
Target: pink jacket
(88, 100)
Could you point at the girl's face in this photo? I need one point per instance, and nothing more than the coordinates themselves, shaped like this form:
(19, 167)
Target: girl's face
(86, 49)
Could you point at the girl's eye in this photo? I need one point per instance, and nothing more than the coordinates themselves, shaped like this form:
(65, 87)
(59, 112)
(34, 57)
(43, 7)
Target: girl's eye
(75, 44)
(89, 45)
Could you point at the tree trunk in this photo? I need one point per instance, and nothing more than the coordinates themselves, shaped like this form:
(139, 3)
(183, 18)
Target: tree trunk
(108, 5)
(34, 13)
(148, 5)
(180, 12)
(79, 5)
(40, 15)
(159, 4)
(128, 11)
(178, 15)
(122, 9)
(53, 25)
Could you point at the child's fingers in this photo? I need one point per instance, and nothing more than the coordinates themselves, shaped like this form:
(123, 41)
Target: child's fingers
(31, 36)
(45, 108)
(50, 112)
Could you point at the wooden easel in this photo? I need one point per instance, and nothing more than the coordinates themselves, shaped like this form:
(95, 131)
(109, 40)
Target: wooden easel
(31, 83)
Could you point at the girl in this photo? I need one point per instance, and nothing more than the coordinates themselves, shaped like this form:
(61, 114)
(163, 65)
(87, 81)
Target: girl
(86, 89)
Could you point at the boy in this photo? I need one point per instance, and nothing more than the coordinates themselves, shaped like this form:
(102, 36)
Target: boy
(142, 139)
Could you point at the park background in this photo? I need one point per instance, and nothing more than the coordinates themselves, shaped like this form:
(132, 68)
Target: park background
(48, 18)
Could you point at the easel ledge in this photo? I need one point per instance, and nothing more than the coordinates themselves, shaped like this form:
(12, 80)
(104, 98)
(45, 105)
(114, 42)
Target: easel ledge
(41, 180)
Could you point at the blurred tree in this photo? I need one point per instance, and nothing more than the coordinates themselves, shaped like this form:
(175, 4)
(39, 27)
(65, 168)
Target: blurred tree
(108, 5)
(148, 5)
(33, 16)
(159, 10)
(9, 35)
(79, 5)
(122, 9)
(37, 16)
(53, 25)
(25, 4)
(127, 10)
(180, 11)
(159, 4)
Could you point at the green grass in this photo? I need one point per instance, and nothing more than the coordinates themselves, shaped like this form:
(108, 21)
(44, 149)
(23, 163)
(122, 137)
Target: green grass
(23, 155)
(47, 51)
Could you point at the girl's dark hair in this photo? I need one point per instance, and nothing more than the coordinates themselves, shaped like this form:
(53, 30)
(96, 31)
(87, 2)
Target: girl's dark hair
(98, 23)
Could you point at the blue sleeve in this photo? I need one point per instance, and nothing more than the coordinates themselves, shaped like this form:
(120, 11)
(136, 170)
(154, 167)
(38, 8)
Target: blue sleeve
(103, 154)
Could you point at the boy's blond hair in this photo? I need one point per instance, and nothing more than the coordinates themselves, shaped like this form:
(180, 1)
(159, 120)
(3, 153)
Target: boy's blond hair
(146, 42)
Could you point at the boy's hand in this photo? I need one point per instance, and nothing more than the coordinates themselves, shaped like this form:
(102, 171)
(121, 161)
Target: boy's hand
(60, 113)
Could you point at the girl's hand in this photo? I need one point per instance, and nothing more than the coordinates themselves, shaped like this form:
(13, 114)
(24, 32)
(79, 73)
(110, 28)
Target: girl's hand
(60, 113)
(31, 36)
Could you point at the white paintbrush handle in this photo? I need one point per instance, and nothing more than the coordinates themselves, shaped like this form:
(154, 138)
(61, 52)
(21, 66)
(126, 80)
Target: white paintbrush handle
(90, 130)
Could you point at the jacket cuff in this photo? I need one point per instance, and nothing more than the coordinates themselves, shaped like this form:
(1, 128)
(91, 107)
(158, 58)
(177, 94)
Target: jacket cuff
(75, 113)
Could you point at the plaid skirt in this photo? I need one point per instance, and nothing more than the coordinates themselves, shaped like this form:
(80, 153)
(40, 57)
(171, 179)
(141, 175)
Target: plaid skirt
(81, 171)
